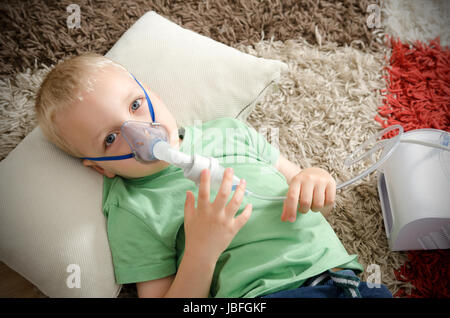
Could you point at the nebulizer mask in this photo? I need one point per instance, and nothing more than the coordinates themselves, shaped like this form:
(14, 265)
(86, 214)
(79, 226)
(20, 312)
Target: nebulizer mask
(149, 142)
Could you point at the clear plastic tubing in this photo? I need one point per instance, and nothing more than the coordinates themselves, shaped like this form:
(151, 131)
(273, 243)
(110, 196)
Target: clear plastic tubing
(193, 165)
(389, 146)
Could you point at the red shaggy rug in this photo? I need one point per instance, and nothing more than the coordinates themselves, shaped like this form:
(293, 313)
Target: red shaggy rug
(418, 96)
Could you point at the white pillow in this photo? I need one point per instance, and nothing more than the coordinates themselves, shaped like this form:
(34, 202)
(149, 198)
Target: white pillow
(51, 224)
(195, 76)
(51, 218)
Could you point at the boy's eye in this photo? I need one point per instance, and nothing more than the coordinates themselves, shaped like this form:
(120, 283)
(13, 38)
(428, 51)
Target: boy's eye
(136, 104)
(110, 139)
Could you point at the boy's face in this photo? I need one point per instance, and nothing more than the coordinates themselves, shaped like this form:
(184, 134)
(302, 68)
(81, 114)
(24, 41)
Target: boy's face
(92, 126)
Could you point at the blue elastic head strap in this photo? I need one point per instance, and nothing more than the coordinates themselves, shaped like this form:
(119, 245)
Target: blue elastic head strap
(130, 155)
(150, 106)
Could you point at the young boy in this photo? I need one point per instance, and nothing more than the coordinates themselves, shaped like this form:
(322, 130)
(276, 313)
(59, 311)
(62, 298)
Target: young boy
(222, 247)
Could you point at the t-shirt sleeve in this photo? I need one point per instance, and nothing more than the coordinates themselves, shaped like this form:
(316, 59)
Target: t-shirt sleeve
(138, 255)
(265, 150)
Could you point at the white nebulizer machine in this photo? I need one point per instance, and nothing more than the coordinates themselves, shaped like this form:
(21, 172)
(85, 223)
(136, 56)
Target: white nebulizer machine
(413, 177)
(414, 190)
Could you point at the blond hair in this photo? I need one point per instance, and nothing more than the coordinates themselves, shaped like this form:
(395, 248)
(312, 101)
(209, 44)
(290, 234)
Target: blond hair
(61, 88)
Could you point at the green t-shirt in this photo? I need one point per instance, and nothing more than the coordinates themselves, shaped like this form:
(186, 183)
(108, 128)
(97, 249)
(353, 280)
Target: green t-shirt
(146, 229)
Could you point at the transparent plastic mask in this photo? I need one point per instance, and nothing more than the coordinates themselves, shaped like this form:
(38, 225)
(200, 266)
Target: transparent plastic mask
(141, 137)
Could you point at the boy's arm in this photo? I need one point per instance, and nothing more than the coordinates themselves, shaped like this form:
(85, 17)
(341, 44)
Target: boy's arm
(209, 229)
(192, 280)
(309, 189)
(287, 168)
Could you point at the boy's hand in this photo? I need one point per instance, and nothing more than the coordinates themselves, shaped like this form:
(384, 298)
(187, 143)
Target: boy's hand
(314, 189)
(210, 227)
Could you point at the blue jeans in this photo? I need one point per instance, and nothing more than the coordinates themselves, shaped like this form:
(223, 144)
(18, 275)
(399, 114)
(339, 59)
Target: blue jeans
(341, 284)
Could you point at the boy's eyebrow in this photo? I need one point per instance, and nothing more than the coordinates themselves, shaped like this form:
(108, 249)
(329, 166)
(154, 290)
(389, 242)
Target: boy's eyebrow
(98, 140)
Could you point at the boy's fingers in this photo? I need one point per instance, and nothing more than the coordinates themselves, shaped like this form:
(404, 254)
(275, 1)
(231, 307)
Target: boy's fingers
(306, 197)
(233, 206)
(318, 198)
(204, 189)
(284, 211)
(330, 194)
(189, 204)
(225, 189)
(242, 218)
(291, 201)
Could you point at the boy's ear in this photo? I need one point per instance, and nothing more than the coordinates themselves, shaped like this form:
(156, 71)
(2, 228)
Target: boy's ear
(102, 171)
